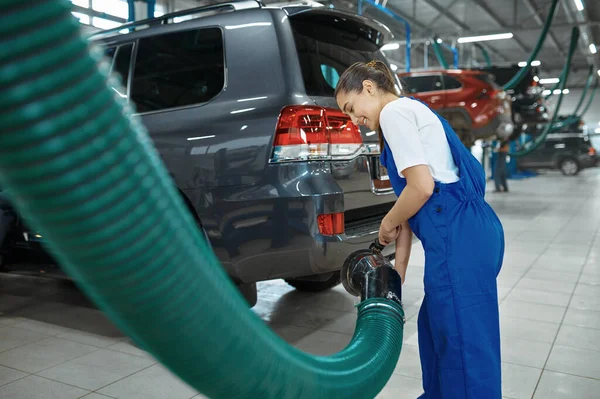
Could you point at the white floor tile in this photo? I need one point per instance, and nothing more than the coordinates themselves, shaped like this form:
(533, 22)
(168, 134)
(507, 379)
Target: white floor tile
(409, 364)
(532, 311)
(43, 354)
(525, 353)
(553, 275)
(323, 342)
(155, 382)
(581, 362)
(563, 386)
(541, 297)
(9, 375)
(34, 387)
(579, 337)
(582, 318)
(519, 382)
(96, 370)
(532, 330)
(593, 291)
(401, 387)
(11, 337)
(546, 285)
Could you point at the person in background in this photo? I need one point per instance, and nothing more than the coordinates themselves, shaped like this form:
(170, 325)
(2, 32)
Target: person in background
(500, 170)
(441, 189)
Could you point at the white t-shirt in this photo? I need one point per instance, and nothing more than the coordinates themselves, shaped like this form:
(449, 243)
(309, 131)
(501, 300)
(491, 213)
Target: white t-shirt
(416, 136)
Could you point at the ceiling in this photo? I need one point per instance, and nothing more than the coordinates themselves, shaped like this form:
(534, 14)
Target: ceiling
(450, 19)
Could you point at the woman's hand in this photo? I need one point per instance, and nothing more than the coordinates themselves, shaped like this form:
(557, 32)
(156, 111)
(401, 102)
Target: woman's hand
(388, 233)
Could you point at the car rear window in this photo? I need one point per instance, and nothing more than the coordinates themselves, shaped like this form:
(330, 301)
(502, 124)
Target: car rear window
(327, 45)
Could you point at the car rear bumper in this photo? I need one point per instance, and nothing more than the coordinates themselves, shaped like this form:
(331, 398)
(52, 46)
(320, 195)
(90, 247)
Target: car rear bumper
(271, 231)
(587, 161)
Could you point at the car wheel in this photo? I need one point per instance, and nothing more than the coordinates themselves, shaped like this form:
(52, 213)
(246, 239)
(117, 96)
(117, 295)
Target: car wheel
(569, 167)
(316, 283)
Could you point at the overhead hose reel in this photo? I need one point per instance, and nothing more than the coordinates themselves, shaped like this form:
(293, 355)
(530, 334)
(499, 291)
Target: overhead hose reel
(83, 172)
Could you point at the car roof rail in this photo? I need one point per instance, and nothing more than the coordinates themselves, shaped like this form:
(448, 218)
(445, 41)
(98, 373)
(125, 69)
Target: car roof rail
(234, 5)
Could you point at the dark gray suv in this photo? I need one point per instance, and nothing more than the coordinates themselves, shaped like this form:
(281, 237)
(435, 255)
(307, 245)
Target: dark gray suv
(238, 100)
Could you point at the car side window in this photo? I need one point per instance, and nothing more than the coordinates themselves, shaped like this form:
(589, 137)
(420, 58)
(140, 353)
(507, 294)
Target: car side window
(109, 54)
(422, 84)
(451, 83)
(121, 68)
(178, 69)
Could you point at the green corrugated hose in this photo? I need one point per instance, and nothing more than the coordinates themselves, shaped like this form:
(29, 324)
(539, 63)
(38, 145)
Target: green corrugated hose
(552, 125)
(86, 176)
(514, 82)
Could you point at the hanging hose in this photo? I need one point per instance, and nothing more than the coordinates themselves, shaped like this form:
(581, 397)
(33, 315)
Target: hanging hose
(437, 50)
(532, 145)
(84, 173)
(486, 55)
(514, 82)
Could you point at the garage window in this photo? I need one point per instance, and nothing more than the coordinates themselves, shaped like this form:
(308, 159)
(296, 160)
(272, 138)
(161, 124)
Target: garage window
(178, 69)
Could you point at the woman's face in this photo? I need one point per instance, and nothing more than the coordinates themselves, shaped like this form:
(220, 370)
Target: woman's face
(363, 108)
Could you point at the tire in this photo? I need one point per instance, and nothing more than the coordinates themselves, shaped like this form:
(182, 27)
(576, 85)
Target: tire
(569, 167)
(316, 283)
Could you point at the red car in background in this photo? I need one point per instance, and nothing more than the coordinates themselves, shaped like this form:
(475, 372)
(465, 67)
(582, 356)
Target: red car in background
(474, 105)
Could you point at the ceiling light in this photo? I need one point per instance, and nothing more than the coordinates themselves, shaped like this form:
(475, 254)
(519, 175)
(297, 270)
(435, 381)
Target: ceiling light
(598, 72)
(566, 91)
(484, 38)
(439, 40)
(557, 91)
(546, 92)
(593, 48)
(579, 5)
(533, 63)
(391, 46)
(549, 81)
(394, 67)
(537, 79)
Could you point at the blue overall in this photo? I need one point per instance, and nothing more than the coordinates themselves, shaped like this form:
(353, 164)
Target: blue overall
(458, 323)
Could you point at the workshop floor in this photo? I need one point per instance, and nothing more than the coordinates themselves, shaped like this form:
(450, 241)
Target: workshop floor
(55, 345)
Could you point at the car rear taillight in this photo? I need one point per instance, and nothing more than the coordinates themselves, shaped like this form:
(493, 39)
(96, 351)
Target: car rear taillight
(307, 133)
(591, 151)
(331, 224)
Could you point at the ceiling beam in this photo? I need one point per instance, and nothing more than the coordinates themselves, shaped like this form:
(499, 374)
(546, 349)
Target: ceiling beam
(498, 21)
(536, 16)
(444, 12)
(586, 31)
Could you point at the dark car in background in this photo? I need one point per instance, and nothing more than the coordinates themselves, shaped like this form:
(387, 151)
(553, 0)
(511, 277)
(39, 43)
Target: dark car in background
(238, 100)
(568, 152)
(529, 110)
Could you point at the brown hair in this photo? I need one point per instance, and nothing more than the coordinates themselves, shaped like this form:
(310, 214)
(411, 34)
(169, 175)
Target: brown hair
(376, 71)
